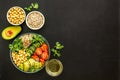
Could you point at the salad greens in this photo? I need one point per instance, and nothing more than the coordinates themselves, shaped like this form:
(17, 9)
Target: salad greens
(32, 6)
(57, 49)
(16, 45)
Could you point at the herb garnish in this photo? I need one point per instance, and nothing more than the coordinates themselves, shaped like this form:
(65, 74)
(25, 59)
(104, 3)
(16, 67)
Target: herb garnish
(57, 49)
(32, 6)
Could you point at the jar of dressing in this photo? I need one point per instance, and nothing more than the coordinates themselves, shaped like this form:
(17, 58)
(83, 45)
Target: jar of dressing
(54, 67)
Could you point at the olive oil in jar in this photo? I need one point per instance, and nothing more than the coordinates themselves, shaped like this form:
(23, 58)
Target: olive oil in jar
(54, 67)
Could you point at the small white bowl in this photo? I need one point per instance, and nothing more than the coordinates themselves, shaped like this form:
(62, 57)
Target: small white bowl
(35, 20)
(13, 15)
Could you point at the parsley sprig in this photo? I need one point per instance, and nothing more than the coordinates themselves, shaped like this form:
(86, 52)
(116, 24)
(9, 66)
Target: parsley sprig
(56, 50)
(32, 6)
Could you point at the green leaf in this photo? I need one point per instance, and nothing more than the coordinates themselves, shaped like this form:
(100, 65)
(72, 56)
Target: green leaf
(10, 46)
(30, 7)
(59, 47)
(32, 4)
(36, 6)
(59, 55)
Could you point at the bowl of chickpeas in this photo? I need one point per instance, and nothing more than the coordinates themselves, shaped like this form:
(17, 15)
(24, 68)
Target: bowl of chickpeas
(16, 15)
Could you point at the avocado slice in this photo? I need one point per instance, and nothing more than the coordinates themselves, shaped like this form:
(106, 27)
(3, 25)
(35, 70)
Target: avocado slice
(26, 66)
(21, 66)
(38, 65)
(11, 32)
(32, 62)
(35, 65)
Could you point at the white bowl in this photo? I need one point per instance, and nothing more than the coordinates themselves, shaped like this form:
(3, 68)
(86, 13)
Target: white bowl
(35, 20)
(13, 16)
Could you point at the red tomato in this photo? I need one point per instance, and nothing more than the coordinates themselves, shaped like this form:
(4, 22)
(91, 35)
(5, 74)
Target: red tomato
(44, 55)
(42, 61)
(38, 51)
(35, 57)
(35, 53)
(44, 48)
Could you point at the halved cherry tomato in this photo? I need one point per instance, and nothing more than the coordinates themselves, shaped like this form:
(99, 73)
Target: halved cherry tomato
(34, 53)
(35, 57)
(44, 48)
(44, 55)
(42, 61)
(38, 51)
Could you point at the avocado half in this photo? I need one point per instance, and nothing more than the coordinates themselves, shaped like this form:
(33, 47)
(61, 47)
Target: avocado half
(11, 32)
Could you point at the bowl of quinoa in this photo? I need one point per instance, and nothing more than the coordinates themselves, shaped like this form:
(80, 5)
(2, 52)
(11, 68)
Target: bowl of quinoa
(35, 20)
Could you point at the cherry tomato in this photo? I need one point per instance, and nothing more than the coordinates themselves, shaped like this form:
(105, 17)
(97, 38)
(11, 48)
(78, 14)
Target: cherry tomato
(35, 57)
(34, 53)
(44, 48)
(38, 51)
(44, 55)
(42, 61)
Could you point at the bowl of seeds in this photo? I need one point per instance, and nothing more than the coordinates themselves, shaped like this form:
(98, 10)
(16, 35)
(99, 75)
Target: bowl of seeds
(35, 20)
(16, 15)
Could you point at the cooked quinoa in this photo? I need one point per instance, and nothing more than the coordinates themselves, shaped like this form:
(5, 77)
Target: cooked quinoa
(35, 20)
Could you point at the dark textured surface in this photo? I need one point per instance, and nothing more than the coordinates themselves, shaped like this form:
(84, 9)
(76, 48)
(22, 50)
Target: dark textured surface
(87, 28)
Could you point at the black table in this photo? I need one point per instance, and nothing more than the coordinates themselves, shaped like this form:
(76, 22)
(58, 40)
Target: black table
(87, 28)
